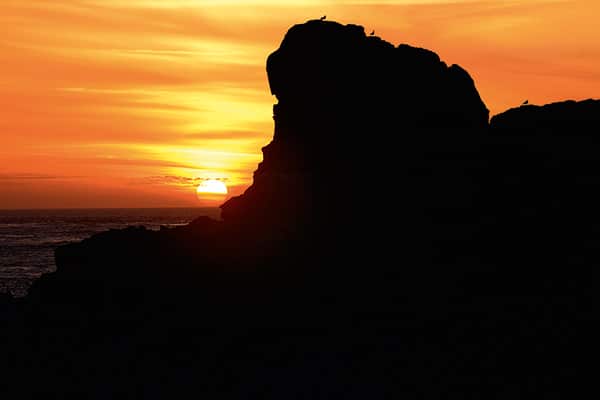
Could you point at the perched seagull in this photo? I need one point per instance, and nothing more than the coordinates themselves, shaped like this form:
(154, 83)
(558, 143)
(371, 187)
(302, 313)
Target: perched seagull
(323, 17)
(525, 102)
(372, 32)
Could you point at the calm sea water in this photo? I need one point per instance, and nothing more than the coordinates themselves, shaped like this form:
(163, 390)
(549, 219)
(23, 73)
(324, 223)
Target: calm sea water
(28, 237)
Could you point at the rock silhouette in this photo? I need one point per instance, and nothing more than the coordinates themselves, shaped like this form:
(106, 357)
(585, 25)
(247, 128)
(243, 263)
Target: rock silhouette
(393, 241)
(546, 186)
(320, 166)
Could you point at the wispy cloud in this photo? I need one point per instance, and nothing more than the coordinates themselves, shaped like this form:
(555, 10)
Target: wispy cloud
(184, 181)
(34, 177)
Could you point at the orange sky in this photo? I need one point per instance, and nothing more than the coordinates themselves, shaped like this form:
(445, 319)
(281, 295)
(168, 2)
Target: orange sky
(107, 103)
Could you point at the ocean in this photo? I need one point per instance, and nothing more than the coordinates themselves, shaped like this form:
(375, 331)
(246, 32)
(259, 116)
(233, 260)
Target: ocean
(28, 237)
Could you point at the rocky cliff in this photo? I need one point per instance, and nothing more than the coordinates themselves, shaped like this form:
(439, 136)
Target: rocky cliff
(356, 118)
(393, 241)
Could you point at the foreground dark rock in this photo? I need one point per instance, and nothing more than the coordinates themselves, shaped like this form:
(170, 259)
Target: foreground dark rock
(386, 247)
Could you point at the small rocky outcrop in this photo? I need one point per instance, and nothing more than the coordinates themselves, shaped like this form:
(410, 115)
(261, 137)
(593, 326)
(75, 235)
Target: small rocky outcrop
(543, 184)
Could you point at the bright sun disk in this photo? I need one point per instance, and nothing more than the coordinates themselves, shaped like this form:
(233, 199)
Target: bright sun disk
(211, 186)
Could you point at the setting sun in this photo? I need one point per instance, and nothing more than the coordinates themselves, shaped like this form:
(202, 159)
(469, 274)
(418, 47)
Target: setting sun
(212, 186)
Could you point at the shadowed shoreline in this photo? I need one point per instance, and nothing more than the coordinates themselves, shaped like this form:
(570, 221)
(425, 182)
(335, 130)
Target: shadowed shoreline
(475, 276)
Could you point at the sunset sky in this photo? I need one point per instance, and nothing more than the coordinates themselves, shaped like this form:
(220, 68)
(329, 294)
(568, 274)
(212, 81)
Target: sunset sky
(108, 103)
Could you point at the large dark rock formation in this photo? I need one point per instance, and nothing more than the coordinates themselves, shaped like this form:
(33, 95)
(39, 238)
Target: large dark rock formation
(392, 242)
(355, 117)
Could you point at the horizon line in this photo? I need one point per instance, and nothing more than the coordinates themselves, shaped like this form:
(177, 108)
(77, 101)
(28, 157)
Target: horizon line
(106, 208)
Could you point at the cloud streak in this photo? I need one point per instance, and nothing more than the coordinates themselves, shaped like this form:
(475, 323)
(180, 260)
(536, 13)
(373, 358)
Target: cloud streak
(34, 177)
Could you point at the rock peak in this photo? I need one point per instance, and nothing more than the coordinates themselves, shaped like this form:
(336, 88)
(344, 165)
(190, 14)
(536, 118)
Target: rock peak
(355, 108)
